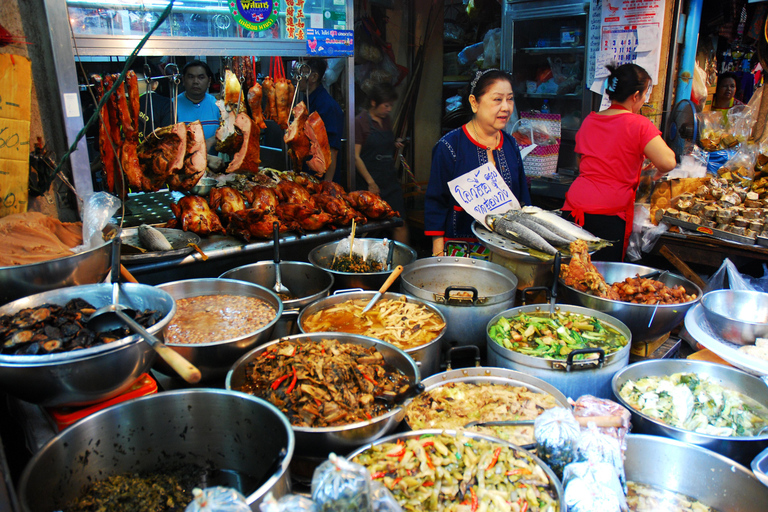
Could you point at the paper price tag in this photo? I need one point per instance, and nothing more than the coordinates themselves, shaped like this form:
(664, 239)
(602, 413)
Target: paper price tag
(482, 191)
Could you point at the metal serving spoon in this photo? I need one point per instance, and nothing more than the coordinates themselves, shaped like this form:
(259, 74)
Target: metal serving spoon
(279, 287)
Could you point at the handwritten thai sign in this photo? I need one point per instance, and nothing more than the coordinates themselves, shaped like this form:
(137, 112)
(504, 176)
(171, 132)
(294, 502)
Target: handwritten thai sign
(15, 93)
(482, 192)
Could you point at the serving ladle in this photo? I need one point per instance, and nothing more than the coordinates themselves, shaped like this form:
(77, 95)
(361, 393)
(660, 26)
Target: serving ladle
(279, 287)
(115, 315)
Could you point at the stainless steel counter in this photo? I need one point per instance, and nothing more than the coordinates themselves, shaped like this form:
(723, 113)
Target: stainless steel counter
(227, 252)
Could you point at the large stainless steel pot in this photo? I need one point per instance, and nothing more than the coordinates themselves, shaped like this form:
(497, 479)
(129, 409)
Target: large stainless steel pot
(491, 375)
(89, 375)
(322, 257)
(86, 267)
(214, 358)
(427, 356)
(248, 439)
(486, 288)
(741, 449)
(555, 482)
(306, 282)
(573, 378)
(646, 321)
(716, 481)
(319, 442)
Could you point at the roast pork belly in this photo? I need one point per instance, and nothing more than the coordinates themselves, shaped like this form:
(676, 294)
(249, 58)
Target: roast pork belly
(161, 155)
(296, 138)
(195, 160)
(320, 149)
(248, 156)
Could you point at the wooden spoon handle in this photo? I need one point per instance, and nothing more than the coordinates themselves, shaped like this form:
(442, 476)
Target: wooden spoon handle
(127, 275)
(180, 365)
(391, 279)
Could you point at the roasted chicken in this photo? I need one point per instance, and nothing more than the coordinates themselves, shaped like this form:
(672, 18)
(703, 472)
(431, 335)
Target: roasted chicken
(291, 192)
(228, 199)
(371, 205)
(341, 213)
(250, 224)
(330, 188)
(302, 217)
(194, 214)
(262, 198)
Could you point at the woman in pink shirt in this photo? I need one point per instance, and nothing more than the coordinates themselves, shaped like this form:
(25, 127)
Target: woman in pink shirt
(612, 145)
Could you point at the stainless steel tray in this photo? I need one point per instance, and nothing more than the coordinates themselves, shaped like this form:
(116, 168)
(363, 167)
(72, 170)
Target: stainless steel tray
(178, 239)
(704, 230)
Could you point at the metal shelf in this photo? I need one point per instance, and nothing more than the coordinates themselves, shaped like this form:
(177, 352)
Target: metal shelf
(570, 96)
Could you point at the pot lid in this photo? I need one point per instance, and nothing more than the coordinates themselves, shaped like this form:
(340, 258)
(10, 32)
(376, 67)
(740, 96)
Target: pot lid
(459, 281)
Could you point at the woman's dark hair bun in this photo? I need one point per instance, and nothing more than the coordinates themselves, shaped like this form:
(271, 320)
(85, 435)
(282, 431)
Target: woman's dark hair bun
(626, 80)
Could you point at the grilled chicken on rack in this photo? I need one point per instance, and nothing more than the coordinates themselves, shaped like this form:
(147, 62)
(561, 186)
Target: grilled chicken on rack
(228, 199)
(263, 198)
(330, 188)
(193, 214)
(371, 205)
(250, 224)
(341, 213)
(291, 192)
(303, 217)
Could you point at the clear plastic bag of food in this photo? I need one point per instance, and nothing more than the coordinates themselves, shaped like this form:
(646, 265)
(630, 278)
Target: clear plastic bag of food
(98, 208)
(339, 485)
(740, 120)
(217, 499)
(711, 129)
(382, 498)
(609, 417)
(595, 446)
(740, 166)
(527, 131)
(556, 432)
(761, 160)
(288, 503)
(593, 486)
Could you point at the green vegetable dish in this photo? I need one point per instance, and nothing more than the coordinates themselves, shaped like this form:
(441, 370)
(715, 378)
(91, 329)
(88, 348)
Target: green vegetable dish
(539, 335)
(697, 403)
(460, 474)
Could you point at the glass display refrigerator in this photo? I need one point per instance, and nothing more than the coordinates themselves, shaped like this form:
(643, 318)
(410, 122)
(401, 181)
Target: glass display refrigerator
(544, 47)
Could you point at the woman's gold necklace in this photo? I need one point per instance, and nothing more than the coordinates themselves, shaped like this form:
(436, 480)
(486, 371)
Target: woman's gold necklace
(477, 136)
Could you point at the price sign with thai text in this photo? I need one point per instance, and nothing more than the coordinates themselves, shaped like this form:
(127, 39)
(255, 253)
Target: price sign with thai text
(482, 192)
(15, 103)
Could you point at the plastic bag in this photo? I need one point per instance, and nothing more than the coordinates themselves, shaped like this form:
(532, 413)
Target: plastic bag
(98, 208)
(711, 129)
(556, 432)
(716, 159)
(741, 119)
(593, 486)
(288, 503)
(470, 54)
(699, 88)
(728, 277)
(742, 164)
(492, 48)
(339, 485)
(383, 500)
(594, 446)
(217, 499)
(527, 131)
(607, 415)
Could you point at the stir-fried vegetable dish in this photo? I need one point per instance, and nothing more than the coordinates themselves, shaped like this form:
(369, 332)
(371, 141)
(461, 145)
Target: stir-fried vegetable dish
(325, 383)
(696, 402)
(647, 498)
(355, 263)
(538, 335)
(405, 324)
(454, 404)
(447, 473)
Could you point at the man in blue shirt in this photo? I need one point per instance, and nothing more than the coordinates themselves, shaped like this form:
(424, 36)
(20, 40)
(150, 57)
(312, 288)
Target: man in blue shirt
(195, 103)
(322, 102)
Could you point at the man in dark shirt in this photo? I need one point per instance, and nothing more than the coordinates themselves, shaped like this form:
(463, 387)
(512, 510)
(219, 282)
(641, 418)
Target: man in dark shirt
(322, 102)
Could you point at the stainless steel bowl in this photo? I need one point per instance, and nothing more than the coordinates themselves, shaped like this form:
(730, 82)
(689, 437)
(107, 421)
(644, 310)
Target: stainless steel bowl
(319, 442)
(247, 439)
(87, 267)
(203, 186)
(716, 481)
(741, 449)
(646, 321)
(739, 316)
(322, 257)
(306, 282)
(88, 375)
(214, 358)
(558, 488)
(489, 375)
(427, 356)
